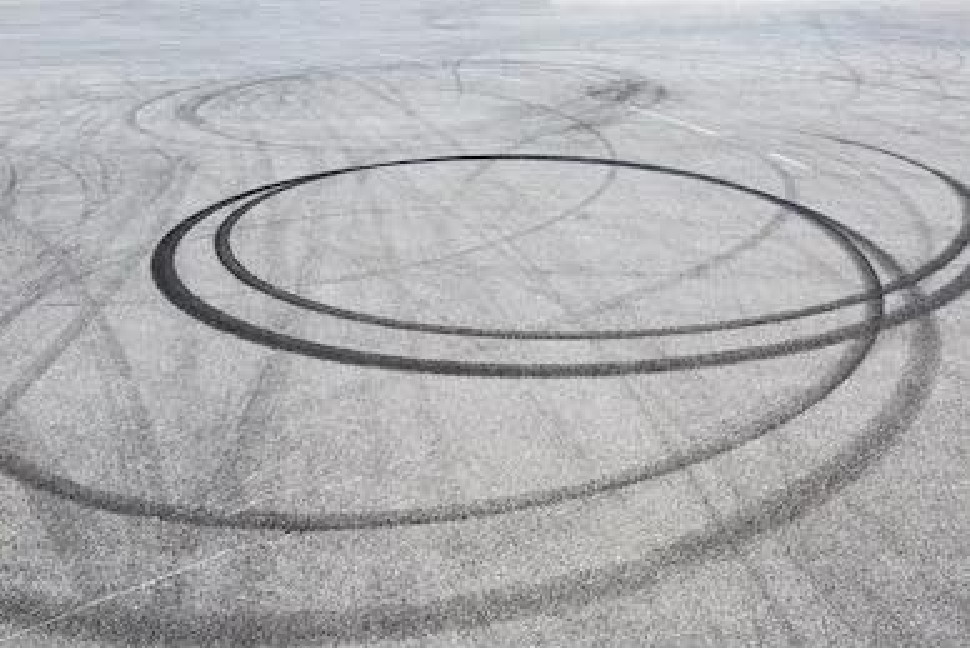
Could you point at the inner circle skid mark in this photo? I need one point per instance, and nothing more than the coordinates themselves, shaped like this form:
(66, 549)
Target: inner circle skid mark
(229, 260)
(226, 255)
(171, 285)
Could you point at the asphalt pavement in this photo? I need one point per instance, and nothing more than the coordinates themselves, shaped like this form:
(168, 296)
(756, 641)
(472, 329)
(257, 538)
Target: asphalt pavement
(520, 323)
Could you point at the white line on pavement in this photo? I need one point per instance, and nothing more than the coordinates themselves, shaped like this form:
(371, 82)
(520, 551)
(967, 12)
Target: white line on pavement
(680, 122)
(790, 161)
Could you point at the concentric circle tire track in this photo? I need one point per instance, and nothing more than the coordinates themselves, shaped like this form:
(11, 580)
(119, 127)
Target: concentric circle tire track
(228, 258)
(38, 477)
(495, 506)
(224, 250)
(169, 282)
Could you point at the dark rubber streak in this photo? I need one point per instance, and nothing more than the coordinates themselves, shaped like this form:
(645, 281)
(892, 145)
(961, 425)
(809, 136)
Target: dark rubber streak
(171, 285)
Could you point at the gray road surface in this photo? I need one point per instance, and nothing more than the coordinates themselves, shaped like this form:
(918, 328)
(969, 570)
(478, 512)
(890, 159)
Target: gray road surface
(448, 323)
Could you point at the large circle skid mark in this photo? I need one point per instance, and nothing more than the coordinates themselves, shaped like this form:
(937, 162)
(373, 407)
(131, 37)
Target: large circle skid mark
(171, 285)
(38, 477)
(294, 522)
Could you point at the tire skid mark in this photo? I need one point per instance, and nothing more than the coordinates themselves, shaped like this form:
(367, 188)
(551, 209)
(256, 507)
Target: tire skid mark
(410, 111)
(941, 595)
(236, 268)
(927, 335)
(188, 514)
(805, 567)
(396, 622)
(64, 522)
(68, 271)
(706, 267)
(846, 367)
(712, 511)
(383, 272)
(133, 506)
(556, 596)
(510, 250)
(218, 318)
(61, 275)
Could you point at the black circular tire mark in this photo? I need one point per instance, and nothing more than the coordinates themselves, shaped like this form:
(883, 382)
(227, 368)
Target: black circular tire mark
(228, 258)
(171, 285)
